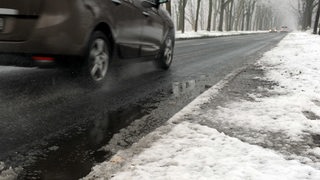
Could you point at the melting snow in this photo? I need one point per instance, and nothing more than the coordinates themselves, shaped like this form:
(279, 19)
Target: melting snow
(194, 151)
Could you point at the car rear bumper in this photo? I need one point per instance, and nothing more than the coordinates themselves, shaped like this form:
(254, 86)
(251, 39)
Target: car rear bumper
(23, 60)
(57, 30)
(29, 60)
(55, 44)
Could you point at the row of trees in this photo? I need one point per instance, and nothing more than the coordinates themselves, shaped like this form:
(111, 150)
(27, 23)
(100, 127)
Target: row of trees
(223, 15)
(308, 12)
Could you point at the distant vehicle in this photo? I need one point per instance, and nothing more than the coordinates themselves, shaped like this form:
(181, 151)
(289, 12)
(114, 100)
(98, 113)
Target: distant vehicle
(274, 30)
(86, 34)
(284, 29)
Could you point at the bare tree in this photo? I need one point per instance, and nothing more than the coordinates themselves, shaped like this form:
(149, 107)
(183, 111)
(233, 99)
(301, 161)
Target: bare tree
(305, 10)
(223, 14)
(222, 10)
(249, 12)
(197, 15)
(230, 18)
(316, 23)
(191, 14)
(182, 6)
(210, 15)
(216, 12)
(168, 7)
(239, 14)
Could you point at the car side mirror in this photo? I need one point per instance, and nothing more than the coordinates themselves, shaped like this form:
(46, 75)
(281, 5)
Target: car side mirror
(162, 1)
(149, 3)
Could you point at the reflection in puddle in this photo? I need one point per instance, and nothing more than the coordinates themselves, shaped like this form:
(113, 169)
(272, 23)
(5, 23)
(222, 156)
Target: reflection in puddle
(181, 88)
(97, 134)
(190, 87)
(78, 153)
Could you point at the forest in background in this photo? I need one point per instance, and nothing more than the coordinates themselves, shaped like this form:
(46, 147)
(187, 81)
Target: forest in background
(243, 15)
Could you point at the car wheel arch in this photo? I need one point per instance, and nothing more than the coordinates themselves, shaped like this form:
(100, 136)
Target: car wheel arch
(171, 32)
(105, 28)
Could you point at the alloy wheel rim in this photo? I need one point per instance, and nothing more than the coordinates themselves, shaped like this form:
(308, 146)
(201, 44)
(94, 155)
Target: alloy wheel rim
(100, 58)
(168, 51)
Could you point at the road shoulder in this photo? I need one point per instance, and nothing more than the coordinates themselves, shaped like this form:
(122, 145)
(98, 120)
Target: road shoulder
(262, 123)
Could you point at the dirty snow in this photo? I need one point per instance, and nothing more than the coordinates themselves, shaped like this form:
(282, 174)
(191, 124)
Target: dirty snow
(9, 173)
(294, 107)
(194, 151)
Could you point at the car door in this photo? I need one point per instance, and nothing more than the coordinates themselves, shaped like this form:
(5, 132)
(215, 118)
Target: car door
(153, 30)
(127, 22)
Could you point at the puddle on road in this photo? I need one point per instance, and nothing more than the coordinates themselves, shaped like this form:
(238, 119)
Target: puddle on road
(74, 156)
(195, 87)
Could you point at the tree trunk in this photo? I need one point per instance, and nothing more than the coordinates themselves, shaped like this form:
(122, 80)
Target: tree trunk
(243, 20)
(168, 7)
(248, 16)
(209, 15)
(307, 8)
(316, 23)
(182, 7)
(222, 5)
(231, 16)
(215, 14)
(197, 16)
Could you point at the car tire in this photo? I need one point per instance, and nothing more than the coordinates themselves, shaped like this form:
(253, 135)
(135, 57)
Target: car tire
(165, 56)
(96, 60)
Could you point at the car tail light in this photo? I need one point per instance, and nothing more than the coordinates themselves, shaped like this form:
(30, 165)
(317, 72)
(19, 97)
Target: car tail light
(43, 58)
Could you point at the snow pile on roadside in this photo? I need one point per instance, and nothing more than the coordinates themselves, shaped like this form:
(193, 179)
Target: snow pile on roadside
(192, 151)
(294, 107)
(8, 174)
(200, 34)
(295, 64)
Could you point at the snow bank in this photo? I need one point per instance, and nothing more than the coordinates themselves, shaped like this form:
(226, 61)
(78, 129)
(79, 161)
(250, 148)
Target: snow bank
(192, 151)
(202, 34)
(294, 107)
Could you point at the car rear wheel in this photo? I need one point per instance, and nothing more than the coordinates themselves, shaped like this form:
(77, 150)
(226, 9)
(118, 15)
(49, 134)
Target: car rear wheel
(97, 59)
(165, 57)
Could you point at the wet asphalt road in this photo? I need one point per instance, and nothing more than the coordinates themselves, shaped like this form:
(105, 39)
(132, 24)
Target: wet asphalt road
(53, 127)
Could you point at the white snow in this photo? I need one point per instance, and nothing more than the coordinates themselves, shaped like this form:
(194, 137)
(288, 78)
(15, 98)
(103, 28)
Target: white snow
(194, 151)
(276, 114)
(8, 174)
(315, 151)
(199, 34)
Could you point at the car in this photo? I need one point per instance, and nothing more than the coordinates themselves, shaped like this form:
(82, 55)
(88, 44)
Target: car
(86, 35)
(284, 29)
(274, 30)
